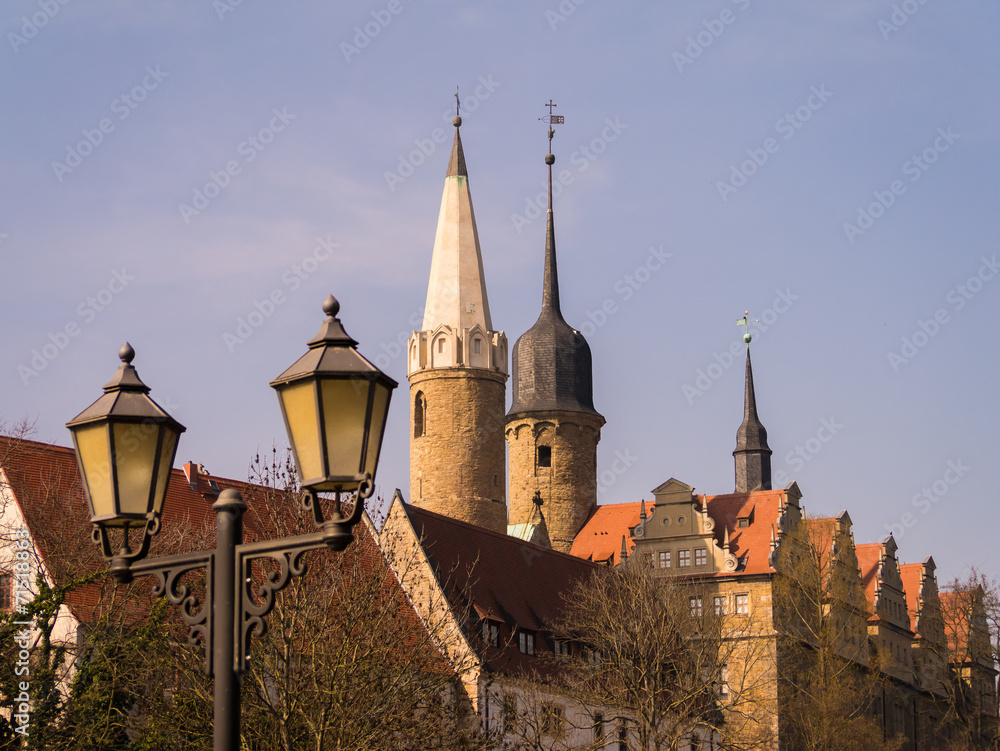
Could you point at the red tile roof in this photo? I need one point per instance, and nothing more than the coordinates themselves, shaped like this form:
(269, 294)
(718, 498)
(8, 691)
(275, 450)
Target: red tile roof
(501, 578)
(912, 575)
(600, 540)
(869, 558)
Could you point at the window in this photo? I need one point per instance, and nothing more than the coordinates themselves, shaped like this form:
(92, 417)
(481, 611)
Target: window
(419, 412)
(476, 345)
(696, 608)
(491, 633)
(648, 557)
(561, 648)
(544, 456)
(598, 730)
(742, 604)
(742, 523)
(526, 642)
(622, 735)
(700, 557)
(591, 655)
(440, 345)
(719, 603)
(509, 714)
(552, 720)
(6, 592)
(724, 681)
(683, 558)
(664, 559)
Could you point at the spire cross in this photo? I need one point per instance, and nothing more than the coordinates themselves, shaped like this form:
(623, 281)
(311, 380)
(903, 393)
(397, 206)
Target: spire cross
(458, 104)
(550, 105)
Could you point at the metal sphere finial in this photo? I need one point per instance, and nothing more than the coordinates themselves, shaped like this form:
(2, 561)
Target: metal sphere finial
(457, 121)
(331, 306)
(550, 159)
(126, 353)
(747, 337)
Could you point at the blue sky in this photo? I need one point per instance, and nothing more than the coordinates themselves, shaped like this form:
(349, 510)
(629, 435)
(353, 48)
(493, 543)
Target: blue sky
(711, 157)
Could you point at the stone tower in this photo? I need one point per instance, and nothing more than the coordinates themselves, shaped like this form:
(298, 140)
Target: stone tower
(752, 455)
(552, 427)
(457, 368)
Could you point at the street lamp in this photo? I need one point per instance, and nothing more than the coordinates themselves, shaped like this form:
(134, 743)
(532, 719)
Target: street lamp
(334, 403)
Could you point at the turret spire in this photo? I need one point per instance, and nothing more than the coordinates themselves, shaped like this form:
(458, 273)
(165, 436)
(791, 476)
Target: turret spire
(752, 454)
(550, 281)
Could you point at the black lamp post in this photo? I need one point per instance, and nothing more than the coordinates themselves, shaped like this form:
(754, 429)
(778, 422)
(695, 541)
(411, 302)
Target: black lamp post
(334, 402)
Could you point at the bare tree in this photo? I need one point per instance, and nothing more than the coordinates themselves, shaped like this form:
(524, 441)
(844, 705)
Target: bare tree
(651, 663)
(828, 671)
(971, 613)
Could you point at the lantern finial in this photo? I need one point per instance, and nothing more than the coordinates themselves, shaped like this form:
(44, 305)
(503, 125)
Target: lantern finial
(331, 306)
(126, 353)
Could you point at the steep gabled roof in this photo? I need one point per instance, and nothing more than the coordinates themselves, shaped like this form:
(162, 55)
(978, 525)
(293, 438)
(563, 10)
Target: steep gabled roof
(500, 578)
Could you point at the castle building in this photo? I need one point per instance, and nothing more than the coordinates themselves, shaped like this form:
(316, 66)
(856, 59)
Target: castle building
(457, 368)
(552, 428)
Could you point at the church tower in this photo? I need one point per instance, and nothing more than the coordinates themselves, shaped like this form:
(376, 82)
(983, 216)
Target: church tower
(552, 427)
(457, 368)
(752, 455)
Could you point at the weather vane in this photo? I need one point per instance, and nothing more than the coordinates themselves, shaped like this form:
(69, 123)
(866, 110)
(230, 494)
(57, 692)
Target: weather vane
(458, 104)
(552, 120)
(745, 321)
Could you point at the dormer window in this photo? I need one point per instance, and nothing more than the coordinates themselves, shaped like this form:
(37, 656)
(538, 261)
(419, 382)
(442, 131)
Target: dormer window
(526, 642)
(491, 633)
(743, 523)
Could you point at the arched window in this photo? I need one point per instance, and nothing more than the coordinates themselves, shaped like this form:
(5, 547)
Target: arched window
(419, 415)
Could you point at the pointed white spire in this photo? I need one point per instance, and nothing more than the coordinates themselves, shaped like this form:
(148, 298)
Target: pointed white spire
(456, 294)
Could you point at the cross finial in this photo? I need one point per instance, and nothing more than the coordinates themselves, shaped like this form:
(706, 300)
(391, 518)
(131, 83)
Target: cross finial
(552, 120)
(458, 104)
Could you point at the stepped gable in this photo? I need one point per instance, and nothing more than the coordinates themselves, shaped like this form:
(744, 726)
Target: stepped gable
(600, 540)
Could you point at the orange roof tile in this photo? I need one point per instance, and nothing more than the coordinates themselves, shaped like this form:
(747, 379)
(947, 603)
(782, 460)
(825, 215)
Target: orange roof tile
(600, 539)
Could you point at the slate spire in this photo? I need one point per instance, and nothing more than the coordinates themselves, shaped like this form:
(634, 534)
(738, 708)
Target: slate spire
(551, 362)
(752, 454)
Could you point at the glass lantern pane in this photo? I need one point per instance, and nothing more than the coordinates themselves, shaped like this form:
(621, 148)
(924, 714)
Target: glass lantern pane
(95, 456)
(298, 402)
(167, 452)
(344, 405)
(135, 455)
(380, 408)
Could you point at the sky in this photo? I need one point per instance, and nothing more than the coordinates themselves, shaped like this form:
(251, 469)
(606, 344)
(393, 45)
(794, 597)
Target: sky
(196, 177)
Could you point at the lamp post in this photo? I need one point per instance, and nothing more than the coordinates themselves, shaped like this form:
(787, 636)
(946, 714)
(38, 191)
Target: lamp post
(334, 403)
